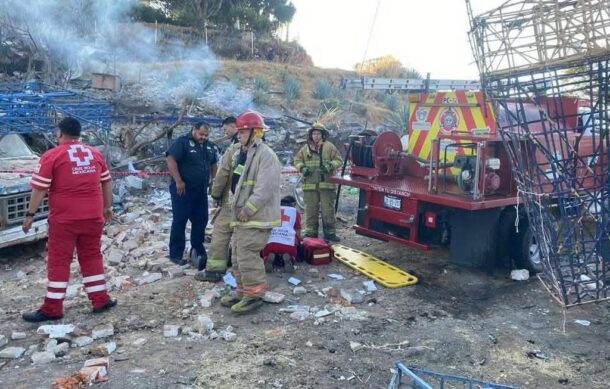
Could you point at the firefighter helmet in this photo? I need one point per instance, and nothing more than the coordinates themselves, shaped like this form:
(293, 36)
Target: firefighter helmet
(318, 126)
(250, 119)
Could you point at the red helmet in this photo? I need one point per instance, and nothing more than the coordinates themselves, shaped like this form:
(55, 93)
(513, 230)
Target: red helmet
(250, 119)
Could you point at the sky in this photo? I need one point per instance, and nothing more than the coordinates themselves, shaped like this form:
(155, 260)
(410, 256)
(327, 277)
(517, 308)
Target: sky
(428, 35)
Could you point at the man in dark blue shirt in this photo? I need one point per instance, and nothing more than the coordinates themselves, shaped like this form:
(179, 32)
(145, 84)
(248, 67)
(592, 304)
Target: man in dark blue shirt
(192, 162)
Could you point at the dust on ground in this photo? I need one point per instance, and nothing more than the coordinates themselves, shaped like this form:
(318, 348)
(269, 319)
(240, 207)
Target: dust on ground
(456, 320)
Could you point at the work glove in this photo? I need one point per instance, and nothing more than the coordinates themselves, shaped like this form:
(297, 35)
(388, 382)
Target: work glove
(327, 168)
(305, 171)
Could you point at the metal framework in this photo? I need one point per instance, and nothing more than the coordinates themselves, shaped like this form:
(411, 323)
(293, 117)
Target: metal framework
(36, 107)
(554, 56)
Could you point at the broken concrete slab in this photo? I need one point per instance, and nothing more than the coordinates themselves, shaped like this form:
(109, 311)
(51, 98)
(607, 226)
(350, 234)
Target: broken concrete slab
(56, 330)
(299, 290)
(204, 324)
(148, 278)
(352, 296)
(42, 357)
(227, 335)
(171, 331)
(208, 297)
(82, 341)
(102, 331)
(175, 271)
(3, 341)
(12, 353)
(104, 349)
(61, 349)
(273, 297)
(115, 257)
(140, 342)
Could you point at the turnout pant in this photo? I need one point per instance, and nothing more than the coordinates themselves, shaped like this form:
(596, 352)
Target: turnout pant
(221, 237)
(316, 202)
(193, 206)
(248, 266)
(85, 235)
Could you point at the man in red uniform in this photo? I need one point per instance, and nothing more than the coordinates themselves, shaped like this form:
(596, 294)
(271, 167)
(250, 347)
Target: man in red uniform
(80, 197)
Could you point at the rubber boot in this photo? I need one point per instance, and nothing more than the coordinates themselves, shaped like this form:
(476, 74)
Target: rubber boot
(209, 276)
(246, 305)
(269, 263)
(229, 300)
(288, 265)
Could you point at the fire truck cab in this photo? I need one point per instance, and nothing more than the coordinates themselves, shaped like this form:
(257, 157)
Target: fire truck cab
(452, 185)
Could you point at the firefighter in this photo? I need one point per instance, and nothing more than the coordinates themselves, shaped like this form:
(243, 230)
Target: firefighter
(221, 235)
(191, 161)
(80, 198)
(317, 162)
(255, 203)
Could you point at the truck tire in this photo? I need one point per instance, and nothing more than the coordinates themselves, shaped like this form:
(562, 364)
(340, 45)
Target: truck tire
(506, 229)
(527, 253)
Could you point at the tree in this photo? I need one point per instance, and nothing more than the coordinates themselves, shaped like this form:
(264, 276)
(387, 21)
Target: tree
(386, 66)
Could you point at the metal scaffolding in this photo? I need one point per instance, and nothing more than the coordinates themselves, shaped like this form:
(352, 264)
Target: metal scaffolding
(35, 107)
(546, 66)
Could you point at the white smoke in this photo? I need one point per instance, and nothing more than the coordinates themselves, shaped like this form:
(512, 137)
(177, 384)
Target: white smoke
(86, 36)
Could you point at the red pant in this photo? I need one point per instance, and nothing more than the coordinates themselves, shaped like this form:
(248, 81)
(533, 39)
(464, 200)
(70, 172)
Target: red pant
(85, 235)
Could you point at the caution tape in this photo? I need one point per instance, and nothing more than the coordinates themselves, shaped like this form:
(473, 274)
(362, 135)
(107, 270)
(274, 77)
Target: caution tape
(288, 170)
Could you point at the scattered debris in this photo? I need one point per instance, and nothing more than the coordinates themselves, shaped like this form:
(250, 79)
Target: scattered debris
(18, 335)
(299, 290)
(230, 280)
(3, 341)
(204, 324)
(294, 281)
(148, 278)
(208, 297)
(585, 323)
(102, 331)
(352, 296)
(520, 275)
(537, 354)
(336, 276)
(104, 349)
(273, 297)
(82, 341)
(171, 331)
(370, 286)
(56, 331)
(42, 357)
(12, 353)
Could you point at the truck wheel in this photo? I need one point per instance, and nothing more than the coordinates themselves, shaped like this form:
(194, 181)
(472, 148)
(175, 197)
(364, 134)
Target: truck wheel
(528, 253)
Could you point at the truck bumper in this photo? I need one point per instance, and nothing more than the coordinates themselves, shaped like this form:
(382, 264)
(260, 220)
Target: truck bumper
(15, 235)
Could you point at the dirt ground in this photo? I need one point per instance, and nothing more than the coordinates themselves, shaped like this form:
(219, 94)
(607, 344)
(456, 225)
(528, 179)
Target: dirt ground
(456, 320)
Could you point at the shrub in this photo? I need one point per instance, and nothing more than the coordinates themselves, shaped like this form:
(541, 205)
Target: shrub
(260, 83)
(330, 104)
(292, 88)
(259, 97)
(391, 102)
(322, 89)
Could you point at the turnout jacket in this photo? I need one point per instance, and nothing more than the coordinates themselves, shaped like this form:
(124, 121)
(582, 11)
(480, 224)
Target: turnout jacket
(222, 182)
(321, 165)
(258, 189)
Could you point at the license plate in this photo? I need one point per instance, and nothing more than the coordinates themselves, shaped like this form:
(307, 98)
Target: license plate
(392, 202)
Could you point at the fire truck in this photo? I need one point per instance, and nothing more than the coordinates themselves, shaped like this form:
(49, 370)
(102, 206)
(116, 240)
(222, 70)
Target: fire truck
(452, 184)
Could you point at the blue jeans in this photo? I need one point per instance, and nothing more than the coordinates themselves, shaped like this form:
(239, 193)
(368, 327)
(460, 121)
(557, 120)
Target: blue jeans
(193, 206)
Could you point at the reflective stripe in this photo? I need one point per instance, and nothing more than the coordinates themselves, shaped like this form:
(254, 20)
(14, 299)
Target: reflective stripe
(98, 277)
(249, 182)
(255, 290)
(41, 178)
(308, 186)
(95, 288)
(216, 264)
(257, 224)
(327, 185)
(57, 284)
(326, 255)
(239, 169)
(106, 173)
(55, 296)
(40, 184)
(251, 207)
(299, 165)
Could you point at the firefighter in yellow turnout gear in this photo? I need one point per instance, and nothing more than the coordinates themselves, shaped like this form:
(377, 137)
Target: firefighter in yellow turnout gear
(255, 209)
(317, 162)
(218, 249)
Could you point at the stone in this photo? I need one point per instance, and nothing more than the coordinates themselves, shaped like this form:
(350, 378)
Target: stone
(171, 331)
(352, 296)
(294, 281)
(355, 346)
(148, 278)
(31, 350)
(104, 349)
(130, 245)
(520, 275)
(3, 340)
(42, 357)
(140, 342)
(309, 343)
(299, 290)
(115, 257)
(12, 353)
(61, 349)
(299, 315)
(227, 335)
(102, 331)
(204, 324)
(273, 297)
(175, 271)
(208, 297)
(323, 313)
(82, 341)
(295, 308)
(369, 285)
(56, 331)
(51, 345)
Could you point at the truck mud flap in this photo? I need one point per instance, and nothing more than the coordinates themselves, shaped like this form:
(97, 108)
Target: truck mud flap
(474, 237)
